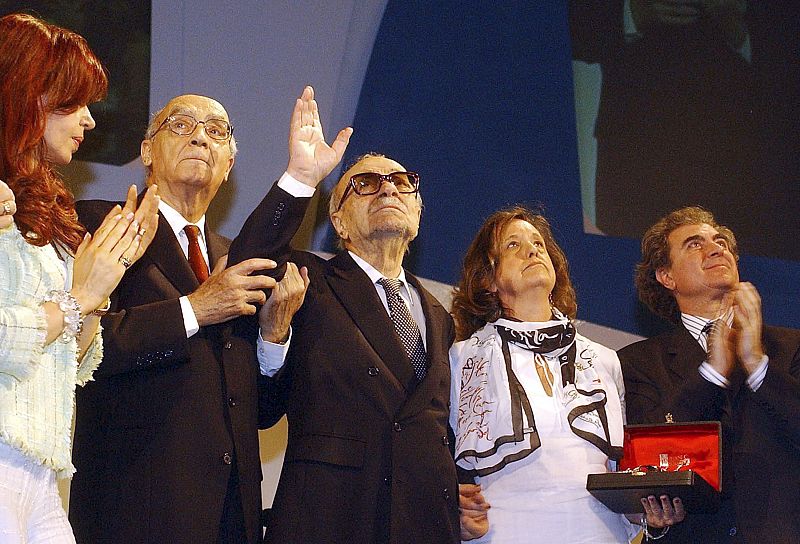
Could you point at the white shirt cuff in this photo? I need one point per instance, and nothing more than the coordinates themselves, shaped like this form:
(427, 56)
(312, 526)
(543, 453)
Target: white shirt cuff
(755, 379)
(189, 319)
(297, 189)
(271, 356)
(709, 374)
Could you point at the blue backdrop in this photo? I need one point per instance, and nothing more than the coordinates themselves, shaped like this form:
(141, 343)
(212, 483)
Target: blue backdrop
(480, 102)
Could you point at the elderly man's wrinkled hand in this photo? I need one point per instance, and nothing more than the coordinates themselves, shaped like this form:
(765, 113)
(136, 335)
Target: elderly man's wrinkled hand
(231, 292)
(310, 157)
(287, 297)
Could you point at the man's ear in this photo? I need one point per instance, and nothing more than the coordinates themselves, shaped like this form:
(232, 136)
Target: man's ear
(338, 226)
(230, 166)
(146, 150)
(664, 277)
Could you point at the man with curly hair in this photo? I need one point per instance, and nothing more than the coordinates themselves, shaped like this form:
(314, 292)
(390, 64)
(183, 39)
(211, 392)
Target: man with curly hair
(720, 363)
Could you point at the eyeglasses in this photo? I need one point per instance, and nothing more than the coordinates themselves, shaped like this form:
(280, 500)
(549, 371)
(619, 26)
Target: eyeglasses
(183, 125)
(369, 183)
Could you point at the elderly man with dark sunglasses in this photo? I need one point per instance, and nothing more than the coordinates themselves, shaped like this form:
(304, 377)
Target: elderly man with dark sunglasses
(366, 375)
(166, 437)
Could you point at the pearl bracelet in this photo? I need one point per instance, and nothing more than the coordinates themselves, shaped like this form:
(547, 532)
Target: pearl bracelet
(73, 321)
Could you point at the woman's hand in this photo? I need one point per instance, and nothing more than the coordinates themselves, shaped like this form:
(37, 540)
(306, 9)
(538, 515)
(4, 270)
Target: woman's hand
(8, 206)
(472, 509)
(102, 258)
(146, 215)
(661, 512)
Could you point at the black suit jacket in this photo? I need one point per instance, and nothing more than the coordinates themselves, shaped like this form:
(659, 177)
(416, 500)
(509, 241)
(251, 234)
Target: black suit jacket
(167, 418)
(685, 120)
(760, 431)
(367, 459)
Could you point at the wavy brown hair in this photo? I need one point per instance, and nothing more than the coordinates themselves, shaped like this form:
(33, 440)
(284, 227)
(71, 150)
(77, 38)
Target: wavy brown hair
(655, 255)
(43, 69)
(474, 303)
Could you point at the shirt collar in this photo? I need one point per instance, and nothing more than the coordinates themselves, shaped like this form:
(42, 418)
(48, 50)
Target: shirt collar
(177, 221)
(694, 324)
(373, 273)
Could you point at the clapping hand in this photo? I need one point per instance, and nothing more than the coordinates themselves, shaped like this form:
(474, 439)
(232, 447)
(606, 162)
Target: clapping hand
(102, 258)
(8, 206)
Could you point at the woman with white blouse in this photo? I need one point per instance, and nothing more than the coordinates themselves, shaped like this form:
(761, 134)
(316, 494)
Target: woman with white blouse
(55, 278)
(535, 406)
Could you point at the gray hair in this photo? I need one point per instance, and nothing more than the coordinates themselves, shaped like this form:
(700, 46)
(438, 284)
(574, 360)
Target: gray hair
(153, 126)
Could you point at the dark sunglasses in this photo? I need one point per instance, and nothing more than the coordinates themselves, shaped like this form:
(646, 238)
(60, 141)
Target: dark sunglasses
(369, 183)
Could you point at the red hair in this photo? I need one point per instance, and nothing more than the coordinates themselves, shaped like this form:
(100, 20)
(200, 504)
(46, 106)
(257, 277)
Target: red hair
(43, 69)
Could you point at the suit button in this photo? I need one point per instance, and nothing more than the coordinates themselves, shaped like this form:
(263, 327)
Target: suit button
(231, 402)
(732, 532)
(388, 480)
(446, 494)
(397, 427)
(228, 345)
(227, 458)
(373, 371)
(445, 441)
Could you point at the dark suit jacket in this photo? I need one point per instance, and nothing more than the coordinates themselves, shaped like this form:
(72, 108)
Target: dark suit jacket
(760, 431)
(684, 120)
(367, 460)
(159, 430)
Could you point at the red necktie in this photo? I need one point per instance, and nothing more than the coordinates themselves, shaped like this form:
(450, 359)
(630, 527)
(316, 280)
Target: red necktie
(196, 260)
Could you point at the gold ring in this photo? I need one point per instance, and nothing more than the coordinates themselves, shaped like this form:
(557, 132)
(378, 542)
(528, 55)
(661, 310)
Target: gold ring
(125, 262)
(142, 231)
(6, 207)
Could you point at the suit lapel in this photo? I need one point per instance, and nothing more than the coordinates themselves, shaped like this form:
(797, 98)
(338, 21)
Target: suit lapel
(685, 353)
(167, 255)
(356, 293)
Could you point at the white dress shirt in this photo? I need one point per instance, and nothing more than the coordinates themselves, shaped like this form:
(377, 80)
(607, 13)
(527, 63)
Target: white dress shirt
(177, 223)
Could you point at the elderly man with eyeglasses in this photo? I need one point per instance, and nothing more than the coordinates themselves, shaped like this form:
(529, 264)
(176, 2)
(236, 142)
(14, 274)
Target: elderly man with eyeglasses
(166, 438)
(366, 375)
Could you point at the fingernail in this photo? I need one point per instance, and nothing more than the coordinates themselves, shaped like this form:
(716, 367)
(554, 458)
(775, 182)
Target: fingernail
(129, 216)
(118, 216)
(135, 224)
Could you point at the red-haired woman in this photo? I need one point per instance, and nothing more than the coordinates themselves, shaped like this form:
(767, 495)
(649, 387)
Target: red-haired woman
(535, 405)
(54, 277)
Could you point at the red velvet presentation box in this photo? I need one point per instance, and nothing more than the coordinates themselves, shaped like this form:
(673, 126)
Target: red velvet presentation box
(677, 459)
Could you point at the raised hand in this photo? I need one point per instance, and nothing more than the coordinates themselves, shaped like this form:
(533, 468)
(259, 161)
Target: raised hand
(8, 206)
(472, 508)
(275, 317)
(231, 292)
(310, 157)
